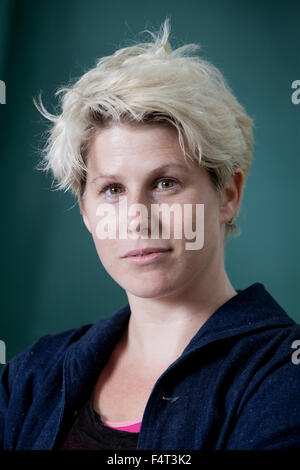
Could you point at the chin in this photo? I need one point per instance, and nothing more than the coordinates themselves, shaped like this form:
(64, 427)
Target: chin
(147, 295)
(148, 290)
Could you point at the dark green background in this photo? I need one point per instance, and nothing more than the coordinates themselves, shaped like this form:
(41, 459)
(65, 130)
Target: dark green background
(51, 276)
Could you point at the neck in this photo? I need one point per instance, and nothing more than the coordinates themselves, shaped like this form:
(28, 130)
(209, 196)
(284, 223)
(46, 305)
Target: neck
(159, 329)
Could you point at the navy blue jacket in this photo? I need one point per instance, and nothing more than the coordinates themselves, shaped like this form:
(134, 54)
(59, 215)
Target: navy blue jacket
(235, 385)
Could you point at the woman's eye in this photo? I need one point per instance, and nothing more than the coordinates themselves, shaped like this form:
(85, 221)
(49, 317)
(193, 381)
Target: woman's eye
(112, 188)
(167, 183)
(115, 189)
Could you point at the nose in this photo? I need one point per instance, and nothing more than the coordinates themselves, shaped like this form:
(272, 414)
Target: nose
(139, 213)
(140, 226)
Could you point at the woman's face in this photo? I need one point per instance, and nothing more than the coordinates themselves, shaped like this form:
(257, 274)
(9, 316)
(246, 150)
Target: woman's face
(136, 157)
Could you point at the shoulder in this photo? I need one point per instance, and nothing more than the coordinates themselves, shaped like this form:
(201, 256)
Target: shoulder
(48, 352)
(40, 355)
(268, 414)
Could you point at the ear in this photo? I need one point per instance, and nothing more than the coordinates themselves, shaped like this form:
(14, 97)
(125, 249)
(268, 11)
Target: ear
(232, 195)
(84, 215)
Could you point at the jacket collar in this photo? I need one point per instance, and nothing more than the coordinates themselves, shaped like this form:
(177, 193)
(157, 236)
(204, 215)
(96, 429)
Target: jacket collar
(251, 309)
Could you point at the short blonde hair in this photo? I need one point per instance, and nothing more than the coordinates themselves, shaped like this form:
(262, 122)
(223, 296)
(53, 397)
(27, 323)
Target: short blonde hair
(150, 83)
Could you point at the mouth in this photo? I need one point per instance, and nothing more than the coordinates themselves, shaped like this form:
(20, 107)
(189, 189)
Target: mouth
(147, 258)
(145, 252)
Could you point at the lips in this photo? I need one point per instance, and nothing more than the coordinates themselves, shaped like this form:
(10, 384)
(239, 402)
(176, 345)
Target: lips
(145, 251)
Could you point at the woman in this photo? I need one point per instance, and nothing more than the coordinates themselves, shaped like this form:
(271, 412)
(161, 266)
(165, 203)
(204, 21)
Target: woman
(190, 362)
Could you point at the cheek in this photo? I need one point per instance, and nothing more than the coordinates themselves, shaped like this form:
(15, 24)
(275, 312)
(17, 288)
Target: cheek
(102, 220)
(190, 221)
(105, 247)
(211, 212)
(107, 254)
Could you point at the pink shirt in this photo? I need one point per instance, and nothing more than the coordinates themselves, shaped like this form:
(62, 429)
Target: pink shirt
(130, 426)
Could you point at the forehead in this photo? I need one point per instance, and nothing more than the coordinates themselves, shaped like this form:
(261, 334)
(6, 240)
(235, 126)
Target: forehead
(121, 146)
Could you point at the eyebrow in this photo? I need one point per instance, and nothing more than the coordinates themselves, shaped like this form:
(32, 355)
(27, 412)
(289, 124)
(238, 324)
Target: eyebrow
(155, 170)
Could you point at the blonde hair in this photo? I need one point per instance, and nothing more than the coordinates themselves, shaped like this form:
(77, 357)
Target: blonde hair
(150, 83)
